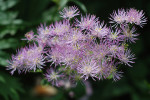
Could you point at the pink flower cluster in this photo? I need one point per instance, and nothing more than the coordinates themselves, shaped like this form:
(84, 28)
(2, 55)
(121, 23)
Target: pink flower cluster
(131, 16)
(78, 49)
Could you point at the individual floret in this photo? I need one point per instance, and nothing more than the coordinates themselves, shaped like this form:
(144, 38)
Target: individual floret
(69, 12)
(53, 76)
(88, 68)
(126, 57)
(29, 36)
(100, 30)
(60, 28)
(136, 17)
(129, 34)
(87, 22)
(118, 17)
(115, 35)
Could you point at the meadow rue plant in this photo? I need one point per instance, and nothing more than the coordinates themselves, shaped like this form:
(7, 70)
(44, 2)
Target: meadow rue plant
(77, 49)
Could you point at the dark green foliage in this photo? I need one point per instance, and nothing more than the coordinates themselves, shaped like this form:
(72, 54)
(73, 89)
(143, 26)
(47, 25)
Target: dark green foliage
(9, 25)
(20, 16)
(9, 87)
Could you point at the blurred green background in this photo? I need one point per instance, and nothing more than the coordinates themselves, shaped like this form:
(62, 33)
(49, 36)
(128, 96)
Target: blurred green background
(17, 17)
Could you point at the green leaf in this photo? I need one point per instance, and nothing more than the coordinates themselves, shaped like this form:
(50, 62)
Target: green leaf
(9, 24)
(51, 15)
(14, 95)
(4, 5)
(9, 43)
(62, 3)
(17, 22)
(3, 62)
(56, 1)
(10, 29)
(10, 88)
(6, 18)
(2, 79)
(3, 57)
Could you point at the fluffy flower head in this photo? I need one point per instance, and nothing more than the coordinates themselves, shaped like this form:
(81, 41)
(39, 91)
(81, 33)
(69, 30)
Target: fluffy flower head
(69, 12)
